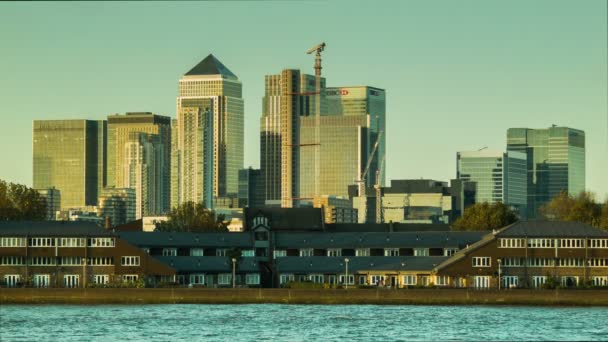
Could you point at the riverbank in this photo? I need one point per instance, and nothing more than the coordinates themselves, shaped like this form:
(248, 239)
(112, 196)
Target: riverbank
(304, 296)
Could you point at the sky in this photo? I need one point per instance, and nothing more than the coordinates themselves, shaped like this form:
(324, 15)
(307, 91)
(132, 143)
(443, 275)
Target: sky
(457, 74)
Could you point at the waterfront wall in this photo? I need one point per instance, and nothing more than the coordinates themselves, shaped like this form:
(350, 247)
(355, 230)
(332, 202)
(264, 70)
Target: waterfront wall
(302, 296)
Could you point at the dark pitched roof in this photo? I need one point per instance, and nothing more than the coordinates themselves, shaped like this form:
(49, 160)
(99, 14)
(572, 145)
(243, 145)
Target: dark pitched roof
(385, 227)
(551, 229)
(51, 228)
(293, 219)
(208, 264)
(356, 264)
(377, 240)
(170, 239)
(210, 66)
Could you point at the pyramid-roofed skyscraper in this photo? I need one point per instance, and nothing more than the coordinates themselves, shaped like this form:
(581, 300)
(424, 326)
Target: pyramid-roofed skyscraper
(207, 143)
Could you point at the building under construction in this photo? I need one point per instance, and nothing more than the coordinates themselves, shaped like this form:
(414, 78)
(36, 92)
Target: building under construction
(316, 141)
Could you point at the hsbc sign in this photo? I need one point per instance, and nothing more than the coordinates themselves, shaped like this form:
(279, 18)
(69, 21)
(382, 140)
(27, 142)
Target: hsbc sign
(337, 92)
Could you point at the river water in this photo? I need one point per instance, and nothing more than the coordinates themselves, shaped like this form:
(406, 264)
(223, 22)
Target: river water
(299, 323)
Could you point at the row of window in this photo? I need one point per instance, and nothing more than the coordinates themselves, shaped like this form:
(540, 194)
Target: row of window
(223, 279)
(69, 280)
(551, 243)
(332, 252)
(66, 261)
(56, 242)
(541, 262)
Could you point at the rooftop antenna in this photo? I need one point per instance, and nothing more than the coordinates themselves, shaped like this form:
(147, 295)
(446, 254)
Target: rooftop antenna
(483, 148)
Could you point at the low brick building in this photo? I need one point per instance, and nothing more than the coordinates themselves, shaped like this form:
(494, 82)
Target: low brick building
(72, 254)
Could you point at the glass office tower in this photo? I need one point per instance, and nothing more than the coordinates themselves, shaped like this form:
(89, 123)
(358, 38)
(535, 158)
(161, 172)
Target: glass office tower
(210, 127)
(69, 155)
(555, 162)
(123, 132)
(498, 177)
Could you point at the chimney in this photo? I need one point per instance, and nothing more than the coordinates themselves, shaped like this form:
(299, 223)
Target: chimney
(108, 224)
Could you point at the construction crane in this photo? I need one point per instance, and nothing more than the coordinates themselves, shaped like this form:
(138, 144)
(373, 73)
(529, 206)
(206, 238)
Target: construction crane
(379, 212)
(361, 181)
(318, 49)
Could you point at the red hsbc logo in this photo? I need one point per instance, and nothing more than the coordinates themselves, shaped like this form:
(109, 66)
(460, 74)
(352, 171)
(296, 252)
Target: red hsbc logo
(343, 92)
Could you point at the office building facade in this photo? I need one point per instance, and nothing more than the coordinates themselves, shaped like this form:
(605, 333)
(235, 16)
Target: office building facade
(52, 200)
(139, 157)
(251, 191)
(498, 176)
(117, 204)
(209, 133)
(555, 162)
(69, 155)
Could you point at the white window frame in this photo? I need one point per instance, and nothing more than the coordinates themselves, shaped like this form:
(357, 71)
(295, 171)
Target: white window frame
(221, 252)
(538, 281)
(307, 252)
(130, 278)
(564, 280)
(316, 278)
(442, 280)
(12, 261)
(540, 262)
(13, 242)
(511, 243)
(100, 261)
(42, 242)
(11, 280)
(42, 280)
(409, 280)
(285, 278)
(42, 261)
(248, 253)
(600, 280)
(104, 242)
(571, 243)
(421, 252)
(169, 251)
(279, 253)
(598, 243)
(101, 279)
(71, 242)
(129, 260)
(450, 251)
(197, 252)
(391, 252)
(334, 252)
(481, 282)
(598, 262)
(362, 252)
(481, 261)
(509, 282)
(71, 281)
(224, 279)
(252, 279)
(197, 278)
(351, 279)
(377, 279)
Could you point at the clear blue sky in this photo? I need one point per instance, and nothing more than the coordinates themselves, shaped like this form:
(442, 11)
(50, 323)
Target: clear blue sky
(457, 73)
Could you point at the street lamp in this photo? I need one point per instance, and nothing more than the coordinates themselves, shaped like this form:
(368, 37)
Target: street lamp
(233, 273)
(346, 275)
(498, 260)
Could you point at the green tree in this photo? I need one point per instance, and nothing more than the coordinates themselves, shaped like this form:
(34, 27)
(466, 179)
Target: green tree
(604, 218)
(485, 216)
(582, 208)
(193, 217)
(18, 202)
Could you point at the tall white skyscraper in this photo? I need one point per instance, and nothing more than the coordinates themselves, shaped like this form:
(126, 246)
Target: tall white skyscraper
(208, 151)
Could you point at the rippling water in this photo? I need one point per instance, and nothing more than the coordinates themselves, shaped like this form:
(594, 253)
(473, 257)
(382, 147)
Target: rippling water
(299, 323)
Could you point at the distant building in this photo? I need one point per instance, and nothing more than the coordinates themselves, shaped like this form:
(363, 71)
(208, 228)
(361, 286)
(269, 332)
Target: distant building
(251, 189)
(139, 150)
(305, 154)
(52, 199)
(70, 156)
(414, 201)
(79, 214)
(498, 176)
(118, 204)
(336, 209)
(209, 134)
(555, 162)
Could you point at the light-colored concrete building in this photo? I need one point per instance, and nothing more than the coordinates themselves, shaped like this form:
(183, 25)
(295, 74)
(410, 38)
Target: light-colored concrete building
(208, 151)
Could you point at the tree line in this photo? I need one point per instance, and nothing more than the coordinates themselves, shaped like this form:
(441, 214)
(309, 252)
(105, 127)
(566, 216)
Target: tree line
(563, 207)
(19, 202)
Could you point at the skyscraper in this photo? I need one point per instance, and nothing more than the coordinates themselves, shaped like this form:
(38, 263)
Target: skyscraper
(498, 176)
(144, 171)
(209, 132)
(344, 138)
(69, 155)
(306, 155)
(555, 162)
(289, 96)
(152, 151)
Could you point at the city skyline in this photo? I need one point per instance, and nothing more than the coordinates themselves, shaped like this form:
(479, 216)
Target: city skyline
(520, 91)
